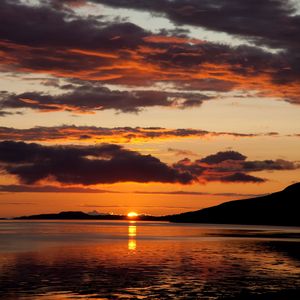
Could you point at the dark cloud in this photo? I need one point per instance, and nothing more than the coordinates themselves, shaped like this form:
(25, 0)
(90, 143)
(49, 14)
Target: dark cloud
(193, 168)
(45, 39)
(271, 22)
(92, 98)
(207, 84)
(14, 188)
(223, 156)
(41, 25)
(239, 195)
(191, 193)
(243, 60)
(279, 164)
(9, 113)
(108, 163)
(5, 113)
(231, 166)
(241, 177)
(84, 165)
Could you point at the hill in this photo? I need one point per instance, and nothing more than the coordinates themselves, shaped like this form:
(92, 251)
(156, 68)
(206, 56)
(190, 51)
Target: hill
(280, 208)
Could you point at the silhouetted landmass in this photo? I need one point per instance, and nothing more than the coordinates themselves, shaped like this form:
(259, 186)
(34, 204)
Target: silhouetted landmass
(281, 208)
(69, 215)
(79, 215)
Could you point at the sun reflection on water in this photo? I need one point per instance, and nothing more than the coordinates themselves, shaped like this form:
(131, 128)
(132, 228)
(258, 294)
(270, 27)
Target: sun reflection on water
(132, 236)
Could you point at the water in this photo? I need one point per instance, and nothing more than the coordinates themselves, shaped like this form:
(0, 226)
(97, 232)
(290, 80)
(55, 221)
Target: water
(147, 260)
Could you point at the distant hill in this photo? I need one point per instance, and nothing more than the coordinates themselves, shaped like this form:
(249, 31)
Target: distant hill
(281, 208)
(79, 215)
(68, 215)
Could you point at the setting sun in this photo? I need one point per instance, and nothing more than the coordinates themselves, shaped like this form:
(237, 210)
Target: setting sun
(132, 214)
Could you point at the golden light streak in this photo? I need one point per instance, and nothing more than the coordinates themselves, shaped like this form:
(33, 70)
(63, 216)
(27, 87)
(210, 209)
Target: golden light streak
(132, 236)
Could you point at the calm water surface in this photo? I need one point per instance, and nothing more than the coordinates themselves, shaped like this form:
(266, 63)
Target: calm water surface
(147, 260)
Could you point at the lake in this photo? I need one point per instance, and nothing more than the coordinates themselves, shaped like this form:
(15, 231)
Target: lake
(50, 260)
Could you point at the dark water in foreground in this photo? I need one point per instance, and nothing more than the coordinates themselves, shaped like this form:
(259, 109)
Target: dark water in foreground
(147, 260)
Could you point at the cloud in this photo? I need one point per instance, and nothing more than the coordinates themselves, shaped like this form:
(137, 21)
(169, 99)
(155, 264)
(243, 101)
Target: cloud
(192, 193)
(92, 98)
(121, 53)
(223, 156)
(67, 133)
(14, 188)
(231, 166)
(109, 163)
(61, 29)
(19, 188)
(279, 164)
(5, 113)
(269, 22)
(84, 165)
(180, 152)
(241, 177)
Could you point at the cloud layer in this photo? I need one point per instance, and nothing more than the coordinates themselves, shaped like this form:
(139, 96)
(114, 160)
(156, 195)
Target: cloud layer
(95, 49)
(90, 98)
(69, 133)
(84, 165)
(231, 166)
(86, 190)
(108, 163)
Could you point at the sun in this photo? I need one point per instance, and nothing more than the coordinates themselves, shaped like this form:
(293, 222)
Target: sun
(132, 214)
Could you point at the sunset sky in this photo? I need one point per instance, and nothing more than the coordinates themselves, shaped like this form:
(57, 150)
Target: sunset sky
(157, 107)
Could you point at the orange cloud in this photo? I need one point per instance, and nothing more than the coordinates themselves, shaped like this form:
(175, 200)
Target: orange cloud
(90, 134)
(125, 54)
